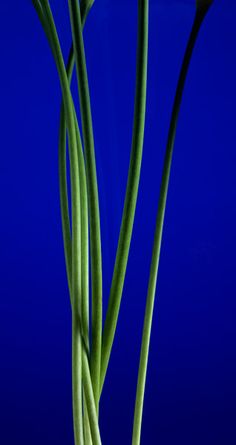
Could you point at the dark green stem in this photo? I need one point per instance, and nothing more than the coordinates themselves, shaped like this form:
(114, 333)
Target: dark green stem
(90, 402)
(63, 182)
(131, 190)
(85, 6)
(200, 14)
(46, 19)
(84, 232)
(95, 237)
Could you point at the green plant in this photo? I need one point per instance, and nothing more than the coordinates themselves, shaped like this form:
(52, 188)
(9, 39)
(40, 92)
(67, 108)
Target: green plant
(90, 362)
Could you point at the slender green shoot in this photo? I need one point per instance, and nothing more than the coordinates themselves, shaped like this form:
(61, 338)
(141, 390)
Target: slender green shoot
(131, 190)
(45, 16)
(200, 14)
(85, 6)
(95, 236)
(87, 431)
(63, 183)
(90, 401)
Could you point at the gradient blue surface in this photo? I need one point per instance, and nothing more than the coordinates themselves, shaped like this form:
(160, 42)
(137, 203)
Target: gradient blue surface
(191, 387)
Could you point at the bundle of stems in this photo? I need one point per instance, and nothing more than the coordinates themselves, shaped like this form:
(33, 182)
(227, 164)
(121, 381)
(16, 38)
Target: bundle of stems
(81, 226)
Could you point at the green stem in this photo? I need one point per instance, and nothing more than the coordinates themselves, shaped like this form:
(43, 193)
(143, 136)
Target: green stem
(131, 190)
(84, 240)
(84, 226)
(87, 431)
(95, 237)
(85, 6)
(77, 380)
(63, 182)
(200, 14)
(90, 401)
(84, 229)
(44, 12)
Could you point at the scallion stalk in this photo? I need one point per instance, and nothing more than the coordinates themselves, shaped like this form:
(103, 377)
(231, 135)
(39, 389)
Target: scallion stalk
(200, 14)
(131, 190)
(93, 200)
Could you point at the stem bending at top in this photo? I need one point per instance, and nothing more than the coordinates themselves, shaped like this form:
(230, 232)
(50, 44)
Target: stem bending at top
(93, 200)
(46, 18)
(85, 6)
(131, 190)
(75, 150)
(89, 370)
(199, 17)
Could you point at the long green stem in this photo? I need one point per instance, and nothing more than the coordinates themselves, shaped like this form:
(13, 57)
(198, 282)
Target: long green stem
(63, 183)
(84, 229)
(84, 240)
(84, 270)
(131, 190)
(46, 19)
(200, 14)
(95, 237)
(85, 6)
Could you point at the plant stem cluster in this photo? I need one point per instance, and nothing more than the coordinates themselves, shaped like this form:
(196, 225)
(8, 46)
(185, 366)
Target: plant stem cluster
(81, 229)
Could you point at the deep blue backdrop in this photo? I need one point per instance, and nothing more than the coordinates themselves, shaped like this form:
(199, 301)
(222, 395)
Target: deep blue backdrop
(191, 387)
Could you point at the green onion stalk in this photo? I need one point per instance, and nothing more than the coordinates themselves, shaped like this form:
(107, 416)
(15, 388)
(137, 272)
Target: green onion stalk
(201, 10)
(80, 366)
(131, 189)
(81, 229)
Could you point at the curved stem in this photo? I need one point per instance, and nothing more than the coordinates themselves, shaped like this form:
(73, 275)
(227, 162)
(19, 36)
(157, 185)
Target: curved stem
(159, 229)
(84, 225)
(95, 236)
(90, 401)
(46, 18)
(84, 240)
(77, 380)
(63, 181)
(85, 6)
(87, 431)
(47, 22)
(131, 190)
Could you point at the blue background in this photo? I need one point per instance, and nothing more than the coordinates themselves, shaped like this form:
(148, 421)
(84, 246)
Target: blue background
(191, 386)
